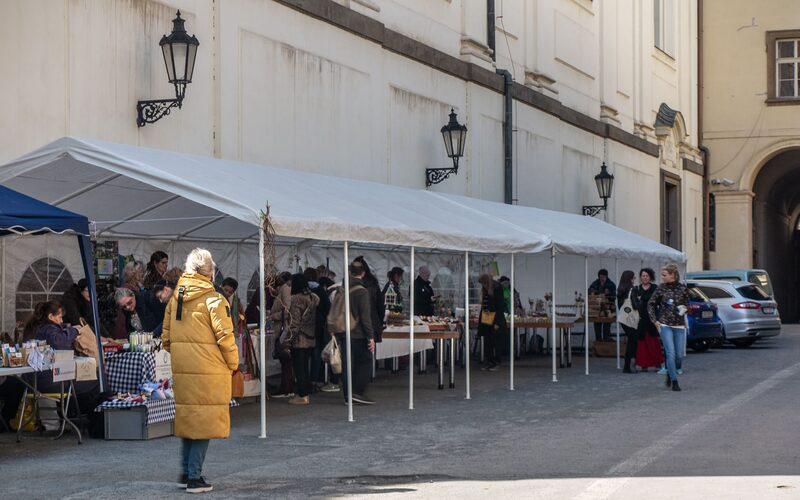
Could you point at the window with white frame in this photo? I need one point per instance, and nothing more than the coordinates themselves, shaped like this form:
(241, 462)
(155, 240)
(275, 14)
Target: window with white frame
(664, 26)
(787, 64)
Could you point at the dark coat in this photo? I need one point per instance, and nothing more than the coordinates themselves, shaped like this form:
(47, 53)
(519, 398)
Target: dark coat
(151, 320)
(76, 307)
(58, 337)
(609, 289)
(377, 307)
(423, 297)
(495, 303)
(323, 307)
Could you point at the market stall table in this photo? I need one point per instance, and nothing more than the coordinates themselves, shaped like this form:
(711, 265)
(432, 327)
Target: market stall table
(564, 328)
(18, 373)
(440, 337)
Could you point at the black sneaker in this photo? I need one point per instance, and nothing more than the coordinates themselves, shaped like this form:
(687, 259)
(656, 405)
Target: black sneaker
(627, 369)
(667, 381)
(362, 400)
(183, 480)
(198, 486)
(675, 386)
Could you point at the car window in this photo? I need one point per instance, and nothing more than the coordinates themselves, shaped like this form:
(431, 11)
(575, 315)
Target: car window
(697, 295)
(713, 292)
(760, 279)
(753, 292)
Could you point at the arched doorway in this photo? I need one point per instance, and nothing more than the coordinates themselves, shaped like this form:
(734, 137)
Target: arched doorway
(776, 237)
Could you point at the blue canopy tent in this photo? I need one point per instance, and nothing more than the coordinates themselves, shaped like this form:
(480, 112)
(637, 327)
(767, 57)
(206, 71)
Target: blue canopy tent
(21, 214)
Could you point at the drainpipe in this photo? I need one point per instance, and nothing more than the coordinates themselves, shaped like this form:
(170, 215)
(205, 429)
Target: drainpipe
(508, 137)
(703, 149)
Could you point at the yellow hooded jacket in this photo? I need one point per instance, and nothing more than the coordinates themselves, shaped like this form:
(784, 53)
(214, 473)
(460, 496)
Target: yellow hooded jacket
(199, 335)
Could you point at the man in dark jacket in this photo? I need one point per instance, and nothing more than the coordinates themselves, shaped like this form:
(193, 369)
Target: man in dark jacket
(76, 304)
(603, 286)
(134, 315)
(362, 336)
(423, 293)
(320, 321)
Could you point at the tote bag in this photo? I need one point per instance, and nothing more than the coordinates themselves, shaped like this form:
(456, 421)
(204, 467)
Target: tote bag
(629, 316)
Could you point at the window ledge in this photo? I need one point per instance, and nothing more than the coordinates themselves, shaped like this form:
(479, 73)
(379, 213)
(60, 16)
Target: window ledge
(783, 101)
(664, 55)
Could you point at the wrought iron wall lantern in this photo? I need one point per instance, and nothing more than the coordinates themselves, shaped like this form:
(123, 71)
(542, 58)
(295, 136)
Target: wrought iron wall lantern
(605, 183)
(455, 137)
(179, 50)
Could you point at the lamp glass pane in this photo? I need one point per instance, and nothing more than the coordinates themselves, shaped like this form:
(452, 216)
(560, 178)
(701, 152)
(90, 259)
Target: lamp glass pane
(166, 50)
(462, 139)
(190, 61)
(179, 51)
(448, 142)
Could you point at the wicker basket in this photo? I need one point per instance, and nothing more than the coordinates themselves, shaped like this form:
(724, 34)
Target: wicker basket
(608, 348)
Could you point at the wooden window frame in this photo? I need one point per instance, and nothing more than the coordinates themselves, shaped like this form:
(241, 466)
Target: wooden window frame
(668, 178)
(772, 38)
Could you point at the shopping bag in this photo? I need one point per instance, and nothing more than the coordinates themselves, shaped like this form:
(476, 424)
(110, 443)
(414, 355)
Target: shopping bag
(487, 317)
(629, 316)
(237, 384)
(332, 354)
(86, 342)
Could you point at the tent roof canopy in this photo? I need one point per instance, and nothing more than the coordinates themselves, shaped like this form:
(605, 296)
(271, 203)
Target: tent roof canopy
(20, 213)
(133, 191)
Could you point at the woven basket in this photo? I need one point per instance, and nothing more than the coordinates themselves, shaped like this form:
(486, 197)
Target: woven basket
(608, 348)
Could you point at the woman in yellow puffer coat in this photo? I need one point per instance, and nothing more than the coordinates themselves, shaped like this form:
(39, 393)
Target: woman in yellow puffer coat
(198, 332)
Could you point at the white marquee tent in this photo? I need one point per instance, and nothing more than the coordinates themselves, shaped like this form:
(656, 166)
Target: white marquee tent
(143, 193)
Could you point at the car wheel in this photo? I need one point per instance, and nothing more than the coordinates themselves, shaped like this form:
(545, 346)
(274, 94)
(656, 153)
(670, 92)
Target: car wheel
(743, 344)
(700, 346)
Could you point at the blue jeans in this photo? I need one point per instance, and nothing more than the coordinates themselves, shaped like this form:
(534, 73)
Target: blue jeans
(674, 341)
(194, 454)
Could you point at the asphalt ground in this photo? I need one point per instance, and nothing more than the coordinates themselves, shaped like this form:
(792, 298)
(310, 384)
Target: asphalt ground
(731, 433)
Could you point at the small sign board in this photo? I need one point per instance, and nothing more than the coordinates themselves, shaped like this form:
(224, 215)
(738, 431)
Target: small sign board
(163, 365)
(64, 370)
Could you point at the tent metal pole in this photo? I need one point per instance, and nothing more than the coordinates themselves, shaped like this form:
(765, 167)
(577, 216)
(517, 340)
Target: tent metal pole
(586, 312)
(348, 352)
(467, 353)
(262, 332)
(553, 311)
(3, 282)
(87, 257)
(411, 340)
(512, 333)
(616, 307)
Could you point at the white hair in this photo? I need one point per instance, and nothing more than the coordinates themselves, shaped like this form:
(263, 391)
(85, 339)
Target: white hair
(200, 261)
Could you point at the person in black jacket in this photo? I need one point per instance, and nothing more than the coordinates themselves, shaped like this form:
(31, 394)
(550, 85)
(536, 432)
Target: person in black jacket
(375, 298)
(603, 286)
(492, 320)
(77, 304)
(423, 293)
(320, 324)
(648, 349)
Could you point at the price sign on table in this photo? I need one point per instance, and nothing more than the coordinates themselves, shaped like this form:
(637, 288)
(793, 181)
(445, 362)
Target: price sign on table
(163, 365)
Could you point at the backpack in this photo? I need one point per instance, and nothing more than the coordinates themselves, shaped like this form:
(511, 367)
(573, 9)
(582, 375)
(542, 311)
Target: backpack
(336, 320)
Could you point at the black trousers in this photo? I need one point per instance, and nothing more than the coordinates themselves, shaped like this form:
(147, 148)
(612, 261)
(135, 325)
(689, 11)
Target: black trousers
(302, 370)
(359, 350)
(10, 394)
(602, 331)
(632, 336)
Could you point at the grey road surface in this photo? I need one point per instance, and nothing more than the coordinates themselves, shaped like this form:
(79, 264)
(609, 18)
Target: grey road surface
(732, 433)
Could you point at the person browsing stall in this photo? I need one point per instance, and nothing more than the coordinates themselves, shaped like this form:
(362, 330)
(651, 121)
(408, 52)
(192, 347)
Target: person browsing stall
(198, 333)
(424, 297)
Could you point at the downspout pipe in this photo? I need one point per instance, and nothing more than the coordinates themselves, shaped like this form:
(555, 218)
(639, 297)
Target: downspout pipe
(703, 149)
(508, 137)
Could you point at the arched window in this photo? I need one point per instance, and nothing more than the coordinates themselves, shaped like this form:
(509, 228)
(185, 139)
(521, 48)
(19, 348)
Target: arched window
(45, 279)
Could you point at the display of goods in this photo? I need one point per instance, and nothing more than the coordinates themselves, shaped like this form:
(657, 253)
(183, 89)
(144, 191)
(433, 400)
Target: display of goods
(438, 326)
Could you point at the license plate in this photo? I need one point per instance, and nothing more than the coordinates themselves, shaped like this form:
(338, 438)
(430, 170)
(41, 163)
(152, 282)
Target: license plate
(768, 310)
(707, 315)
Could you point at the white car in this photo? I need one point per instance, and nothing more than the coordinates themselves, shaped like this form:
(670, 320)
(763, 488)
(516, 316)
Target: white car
(748, 313)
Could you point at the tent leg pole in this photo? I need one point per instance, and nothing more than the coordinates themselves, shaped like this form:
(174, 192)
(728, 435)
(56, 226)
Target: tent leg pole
(262, 331)
(512, 331)
(85, 245)
(586, 313)
(466, 323)
(553, 311)
(616, 307)
(411, 340)
(3, 282)
(348, 352)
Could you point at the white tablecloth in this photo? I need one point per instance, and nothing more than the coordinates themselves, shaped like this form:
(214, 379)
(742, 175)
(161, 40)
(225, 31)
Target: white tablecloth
(390, 348)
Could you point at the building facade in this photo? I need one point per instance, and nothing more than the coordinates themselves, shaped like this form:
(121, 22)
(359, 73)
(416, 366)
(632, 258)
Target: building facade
(360, 88)
(751, 127)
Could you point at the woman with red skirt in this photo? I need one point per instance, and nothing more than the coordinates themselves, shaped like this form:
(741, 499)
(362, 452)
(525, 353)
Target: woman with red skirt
(648, 350)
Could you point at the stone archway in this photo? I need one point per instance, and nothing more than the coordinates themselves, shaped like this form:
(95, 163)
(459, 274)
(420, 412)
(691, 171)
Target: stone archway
(776, 238)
